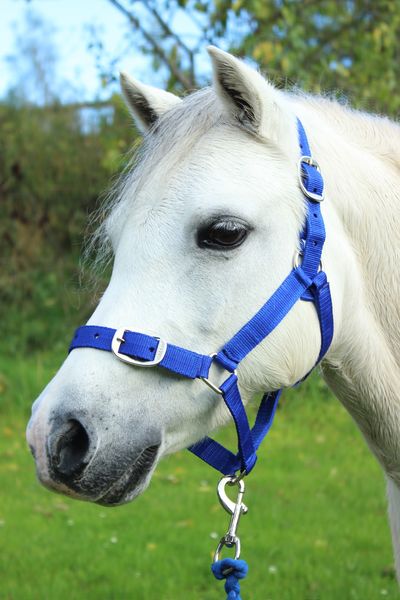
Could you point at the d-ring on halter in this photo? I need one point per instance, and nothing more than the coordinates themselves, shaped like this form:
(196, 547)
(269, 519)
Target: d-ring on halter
(307, 281)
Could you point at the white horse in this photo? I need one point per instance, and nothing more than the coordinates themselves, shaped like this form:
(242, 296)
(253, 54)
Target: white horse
(203, 230)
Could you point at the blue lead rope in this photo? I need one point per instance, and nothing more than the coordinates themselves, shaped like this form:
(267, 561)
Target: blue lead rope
(232, 571)
(306, 281)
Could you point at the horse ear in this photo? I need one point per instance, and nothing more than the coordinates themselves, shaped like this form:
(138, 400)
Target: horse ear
(145, 103)
(251, 100)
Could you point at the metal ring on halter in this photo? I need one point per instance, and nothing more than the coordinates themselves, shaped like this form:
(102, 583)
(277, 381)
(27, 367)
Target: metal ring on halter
(237, 478)
(297, 263)
(210, 384)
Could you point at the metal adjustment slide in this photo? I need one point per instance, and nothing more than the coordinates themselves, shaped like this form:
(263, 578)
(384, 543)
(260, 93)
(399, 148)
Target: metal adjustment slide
(215, 388)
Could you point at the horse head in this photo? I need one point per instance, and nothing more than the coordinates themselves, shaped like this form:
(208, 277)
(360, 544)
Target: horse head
(204, 228)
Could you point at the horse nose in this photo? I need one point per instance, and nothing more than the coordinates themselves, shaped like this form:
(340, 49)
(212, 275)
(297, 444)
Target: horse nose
(69, 449)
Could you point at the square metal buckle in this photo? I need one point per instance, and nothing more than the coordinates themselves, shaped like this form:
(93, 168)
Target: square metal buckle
(118, 339)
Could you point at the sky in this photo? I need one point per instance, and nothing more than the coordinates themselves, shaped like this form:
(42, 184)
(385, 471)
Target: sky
(76, 65)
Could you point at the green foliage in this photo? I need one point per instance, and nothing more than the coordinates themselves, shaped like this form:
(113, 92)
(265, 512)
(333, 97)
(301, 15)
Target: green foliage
(55, 161)
(348, 47)
(316, 527)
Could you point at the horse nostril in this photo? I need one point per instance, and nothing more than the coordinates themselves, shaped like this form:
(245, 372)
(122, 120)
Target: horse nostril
(70, 449)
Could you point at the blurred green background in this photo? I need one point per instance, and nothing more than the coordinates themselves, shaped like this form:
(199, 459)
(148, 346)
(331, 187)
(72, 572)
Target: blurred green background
(317, 525)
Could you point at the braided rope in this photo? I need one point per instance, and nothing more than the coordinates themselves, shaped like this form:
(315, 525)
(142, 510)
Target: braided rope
(231, 570)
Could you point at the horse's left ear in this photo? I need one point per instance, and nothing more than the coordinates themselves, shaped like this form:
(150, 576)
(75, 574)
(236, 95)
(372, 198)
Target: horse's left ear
(252, 101)
(145, 102)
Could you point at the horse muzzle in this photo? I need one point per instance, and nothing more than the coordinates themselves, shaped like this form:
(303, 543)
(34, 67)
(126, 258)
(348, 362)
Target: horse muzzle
(77, 457)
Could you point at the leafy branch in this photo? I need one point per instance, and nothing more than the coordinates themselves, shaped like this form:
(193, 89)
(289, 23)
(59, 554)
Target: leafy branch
(187, 83)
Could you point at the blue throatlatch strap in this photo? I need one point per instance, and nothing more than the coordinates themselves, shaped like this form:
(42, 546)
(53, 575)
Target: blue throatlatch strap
(223, 459)
(306, 281)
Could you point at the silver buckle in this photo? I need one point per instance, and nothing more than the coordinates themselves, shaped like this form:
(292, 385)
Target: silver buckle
(309, 160)
(118, 339)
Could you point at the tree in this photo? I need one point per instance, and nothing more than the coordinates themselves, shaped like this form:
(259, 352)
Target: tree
(34, 61)
(55, 160)
(321, 45)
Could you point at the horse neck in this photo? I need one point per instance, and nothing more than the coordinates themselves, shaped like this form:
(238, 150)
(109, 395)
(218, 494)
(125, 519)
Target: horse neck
(363, 190)
(360, 161)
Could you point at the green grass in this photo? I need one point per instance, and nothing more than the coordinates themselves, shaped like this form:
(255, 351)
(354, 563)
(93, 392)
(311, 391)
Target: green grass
(316, 528)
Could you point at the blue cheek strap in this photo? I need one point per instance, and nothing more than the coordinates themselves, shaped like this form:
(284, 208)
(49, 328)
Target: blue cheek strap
(307, 281)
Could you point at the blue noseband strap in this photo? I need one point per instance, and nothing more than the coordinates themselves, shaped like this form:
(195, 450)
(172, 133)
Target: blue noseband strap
(144, 348)
(307, 281)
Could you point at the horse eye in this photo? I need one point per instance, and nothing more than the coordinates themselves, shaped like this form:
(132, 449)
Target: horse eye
(222, 235)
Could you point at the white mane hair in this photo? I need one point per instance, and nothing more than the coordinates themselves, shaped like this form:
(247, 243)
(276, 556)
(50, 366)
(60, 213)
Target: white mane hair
(373, 132)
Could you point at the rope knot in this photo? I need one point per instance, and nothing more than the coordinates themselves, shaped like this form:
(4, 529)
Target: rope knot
(232, 570)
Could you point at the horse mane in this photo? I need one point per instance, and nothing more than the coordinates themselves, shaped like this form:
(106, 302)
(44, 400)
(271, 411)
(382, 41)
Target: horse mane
(373, 132)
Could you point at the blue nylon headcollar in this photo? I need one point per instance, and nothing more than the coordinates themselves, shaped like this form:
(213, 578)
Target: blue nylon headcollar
(307, 281)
